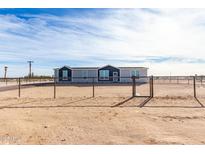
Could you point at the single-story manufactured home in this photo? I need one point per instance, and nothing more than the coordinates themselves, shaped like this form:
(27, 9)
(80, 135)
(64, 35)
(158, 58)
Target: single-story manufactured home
(106, 73)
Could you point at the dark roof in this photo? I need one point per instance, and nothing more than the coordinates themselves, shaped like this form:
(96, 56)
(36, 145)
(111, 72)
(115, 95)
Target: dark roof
(133, 67)
(84, 67)
(98, 67)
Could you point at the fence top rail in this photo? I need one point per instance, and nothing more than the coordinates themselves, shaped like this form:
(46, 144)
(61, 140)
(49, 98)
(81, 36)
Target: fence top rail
(14, 78)
(70, 78)
(176, 76)
(111, 77)
(119, 77)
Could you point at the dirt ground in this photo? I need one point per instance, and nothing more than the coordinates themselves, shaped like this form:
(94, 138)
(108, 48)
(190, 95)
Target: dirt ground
(173, 116)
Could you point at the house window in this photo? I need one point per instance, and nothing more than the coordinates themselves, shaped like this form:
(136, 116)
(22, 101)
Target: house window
(65, 74)
(104, 74)
(135, 73)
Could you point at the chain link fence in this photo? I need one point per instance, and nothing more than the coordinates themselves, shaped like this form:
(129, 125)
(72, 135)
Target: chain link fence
(177, 87)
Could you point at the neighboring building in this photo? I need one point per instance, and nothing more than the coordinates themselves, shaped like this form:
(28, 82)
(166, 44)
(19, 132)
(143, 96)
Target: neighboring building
(106, 73)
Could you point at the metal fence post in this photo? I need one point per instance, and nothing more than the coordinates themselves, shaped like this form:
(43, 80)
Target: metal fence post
(150, 86)
(133, 86)
(54, 87)
(93, 87)
(194, 84)
(19, 87)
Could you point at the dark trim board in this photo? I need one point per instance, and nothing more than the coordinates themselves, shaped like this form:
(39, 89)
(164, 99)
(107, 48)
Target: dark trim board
(111, 70)
(69, 74)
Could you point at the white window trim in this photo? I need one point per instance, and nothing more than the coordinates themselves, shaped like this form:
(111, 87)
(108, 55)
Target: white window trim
(135, 75)
(104, 78)
(64, 78)
(115, 78)
(116, 73)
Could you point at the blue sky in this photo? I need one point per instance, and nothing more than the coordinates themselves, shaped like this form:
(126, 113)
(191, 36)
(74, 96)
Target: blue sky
(165, 40)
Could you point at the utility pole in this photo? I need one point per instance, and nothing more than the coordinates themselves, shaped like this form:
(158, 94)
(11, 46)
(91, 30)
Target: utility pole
(5, 72)
(30, 62)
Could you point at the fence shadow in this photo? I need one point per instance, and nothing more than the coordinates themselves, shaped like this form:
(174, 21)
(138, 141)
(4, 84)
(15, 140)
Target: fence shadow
(55, 106)
(66, 105)
(174, 106)
(77, 101)
(145, 102)
(147, 99)
(198, 101)
(24, 103)
(123, 102)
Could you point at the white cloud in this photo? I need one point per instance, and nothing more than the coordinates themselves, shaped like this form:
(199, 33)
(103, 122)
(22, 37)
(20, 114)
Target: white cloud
(96, 39)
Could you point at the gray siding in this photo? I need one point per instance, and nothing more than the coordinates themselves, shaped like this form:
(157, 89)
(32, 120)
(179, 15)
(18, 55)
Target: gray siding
(126, 74)
(83, 75)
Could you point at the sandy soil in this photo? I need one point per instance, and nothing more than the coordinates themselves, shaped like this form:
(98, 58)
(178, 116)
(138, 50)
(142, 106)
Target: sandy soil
(112, 117)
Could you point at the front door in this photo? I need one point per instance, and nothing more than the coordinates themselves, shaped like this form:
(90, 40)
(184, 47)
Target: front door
(115, 76)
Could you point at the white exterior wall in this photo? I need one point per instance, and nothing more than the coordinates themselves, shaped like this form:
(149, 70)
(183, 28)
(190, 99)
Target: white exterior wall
(56, 74)
(79, 74)
(126, 74)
